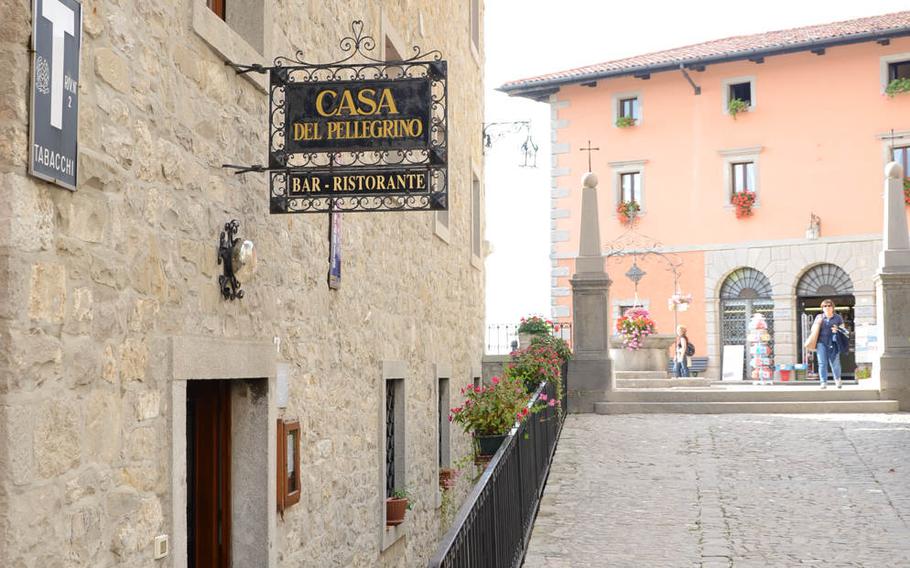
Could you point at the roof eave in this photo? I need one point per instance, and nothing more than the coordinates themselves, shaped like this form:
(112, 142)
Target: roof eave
(533, 90)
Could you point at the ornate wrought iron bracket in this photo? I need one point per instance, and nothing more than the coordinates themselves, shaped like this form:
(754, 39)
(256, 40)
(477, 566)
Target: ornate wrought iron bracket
(242, 69)
(230, 286)
(245, 169)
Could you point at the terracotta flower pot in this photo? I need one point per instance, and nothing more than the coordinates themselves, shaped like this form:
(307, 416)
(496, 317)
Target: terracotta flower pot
(447, 478)
(487, 445)
(395, 510)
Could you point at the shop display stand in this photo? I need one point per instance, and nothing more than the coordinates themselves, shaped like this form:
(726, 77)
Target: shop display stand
(760, 357)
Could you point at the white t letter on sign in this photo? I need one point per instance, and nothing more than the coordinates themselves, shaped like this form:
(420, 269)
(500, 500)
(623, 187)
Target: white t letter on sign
(62, 21)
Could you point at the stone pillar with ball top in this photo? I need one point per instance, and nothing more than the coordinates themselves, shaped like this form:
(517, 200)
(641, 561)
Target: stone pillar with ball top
(590, 370)
(892, 287)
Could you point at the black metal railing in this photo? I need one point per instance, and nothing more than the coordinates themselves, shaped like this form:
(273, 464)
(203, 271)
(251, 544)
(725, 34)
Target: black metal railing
(502, 338)
(494, 524)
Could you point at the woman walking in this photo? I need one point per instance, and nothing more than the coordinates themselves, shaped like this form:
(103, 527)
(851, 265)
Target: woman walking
(680, 363)
(832, 339)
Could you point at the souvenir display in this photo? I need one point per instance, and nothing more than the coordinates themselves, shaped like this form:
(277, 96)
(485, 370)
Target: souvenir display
(761, 360)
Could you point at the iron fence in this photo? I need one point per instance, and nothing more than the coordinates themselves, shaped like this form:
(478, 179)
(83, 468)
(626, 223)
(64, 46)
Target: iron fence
(494, 524)
(502, 338)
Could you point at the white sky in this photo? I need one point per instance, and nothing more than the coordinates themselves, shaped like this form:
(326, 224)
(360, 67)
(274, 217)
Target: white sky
(525, 38)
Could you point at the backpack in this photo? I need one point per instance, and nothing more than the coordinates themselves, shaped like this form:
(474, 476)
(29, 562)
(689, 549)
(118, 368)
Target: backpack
(690, 348)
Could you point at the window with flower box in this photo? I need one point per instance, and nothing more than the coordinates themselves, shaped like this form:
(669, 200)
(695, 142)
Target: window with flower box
(630, 185)
(628, 108)
(902, 157)
(743, 176)
(899, 70)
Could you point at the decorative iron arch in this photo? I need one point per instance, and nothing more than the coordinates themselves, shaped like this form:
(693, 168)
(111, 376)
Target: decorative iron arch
(745, 284)
(825, 280)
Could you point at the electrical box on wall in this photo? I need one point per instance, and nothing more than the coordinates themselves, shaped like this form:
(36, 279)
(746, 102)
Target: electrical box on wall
(162, 548)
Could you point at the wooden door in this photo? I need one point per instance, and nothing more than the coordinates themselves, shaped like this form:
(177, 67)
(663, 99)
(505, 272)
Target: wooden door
(209, 474)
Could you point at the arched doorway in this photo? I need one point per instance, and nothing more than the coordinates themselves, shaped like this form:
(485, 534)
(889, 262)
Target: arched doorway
(820, 282)
(744, 293)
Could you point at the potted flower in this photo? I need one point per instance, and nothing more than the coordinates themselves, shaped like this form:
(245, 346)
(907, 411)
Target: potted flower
(531, 326)
(625, 122)
(679, 302)
(897, 86)
(541, 361)
(743, 201)
(634, 326)
(863, 372)
(627, 211)
(396, 507)
(736, 106)
(447, 478)
(489, 412)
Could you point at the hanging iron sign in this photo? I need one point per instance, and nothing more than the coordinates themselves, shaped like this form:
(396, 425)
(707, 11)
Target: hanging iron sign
(357, 136)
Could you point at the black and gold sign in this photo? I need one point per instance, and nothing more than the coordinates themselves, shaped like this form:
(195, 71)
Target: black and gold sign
(364, 115)
(359, 134)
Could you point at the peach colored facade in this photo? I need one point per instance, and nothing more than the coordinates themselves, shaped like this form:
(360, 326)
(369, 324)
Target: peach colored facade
(817, 133)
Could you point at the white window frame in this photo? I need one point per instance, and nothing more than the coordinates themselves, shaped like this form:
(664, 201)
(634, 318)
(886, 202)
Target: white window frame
(477, 217)
(616, 97)
(628, 167)
(230, 45)
(738, 156)
(394, 374)
(887, 60)
(734, 80)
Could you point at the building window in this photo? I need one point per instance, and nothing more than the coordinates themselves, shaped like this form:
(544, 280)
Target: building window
(741, 91)
(216, 6)
(288, 464)
(630, 187)
(902, 157)
(628, 108)
(442, 421)
(898, 70)
(742, 176)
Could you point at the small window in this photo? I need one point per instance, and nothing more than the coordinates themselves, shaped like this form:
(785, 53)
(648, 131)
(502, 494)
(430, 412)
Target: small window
(394, 436)
(475, 217)
(741, 91)
(623, 308)
(742, 176)
(898, 70)
(628, 108)
(442, 416)
(902, 157)
(216, 6)
(630, 186)
(288, 463)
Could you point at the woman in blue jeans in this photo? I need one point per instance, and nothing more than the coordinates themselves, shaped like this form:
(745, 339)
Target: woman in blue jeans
(830, 324)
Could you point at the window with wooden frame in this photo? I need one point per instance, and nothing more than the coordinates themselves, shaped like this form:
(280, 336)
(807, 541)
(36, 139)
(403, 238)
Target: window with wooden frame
(630, 187)
(899, 70)
(741, 91)
(628, 108)
(902, 157)
(216, 6)
(288, 463)
(742, 176)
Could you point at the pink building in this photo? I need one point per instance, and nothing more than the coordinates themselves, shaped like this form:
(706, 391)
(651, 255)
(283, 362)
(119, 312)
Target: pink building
(816, 110)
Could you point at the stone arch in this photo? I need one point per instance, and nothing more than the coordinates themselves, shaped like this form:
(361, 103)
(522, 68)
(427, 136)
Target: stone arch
(744, 292)
(824, 279)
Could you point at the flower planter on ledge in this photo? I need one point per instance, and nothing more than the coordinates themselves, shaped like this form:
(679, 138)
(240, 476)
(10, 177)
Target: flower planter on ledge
(487, 445)
(651, 356)
(395, 510)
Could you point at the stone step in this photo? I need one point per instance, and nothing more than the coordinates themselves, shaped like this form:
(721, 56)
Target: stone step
(754, 394)
(640, 375)
(788, 407)
(661, 383)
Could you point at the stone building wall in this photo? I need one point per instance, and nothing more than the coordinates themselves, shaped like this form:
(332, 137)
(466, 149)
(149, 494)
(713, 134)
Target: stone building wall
(103, 286)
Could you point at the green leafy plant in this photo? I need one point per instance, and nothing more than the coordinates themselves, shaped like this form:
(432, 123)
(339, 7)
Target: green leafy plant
(627, 211)
(403, 494)
(625, 122)
(492, 410)
(535, 325)
(557, 343)
(537, 363)
(897, 86)
(743, 201)
(736, 106)
(863, 372)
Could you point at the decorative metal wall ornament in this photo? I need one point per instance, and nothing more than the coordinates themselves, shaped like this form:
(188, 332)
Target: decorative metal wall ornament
(357, 136)
(238, 257)
(493, 131)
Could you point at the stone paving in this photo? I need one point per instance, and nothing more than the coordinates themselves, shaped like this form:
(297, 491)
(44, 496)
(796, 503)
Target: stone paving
(727, 490)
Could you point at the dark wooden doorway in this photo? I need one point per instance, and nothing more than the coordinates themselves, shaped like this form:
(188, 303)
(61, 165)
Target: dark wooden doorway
(208, 464)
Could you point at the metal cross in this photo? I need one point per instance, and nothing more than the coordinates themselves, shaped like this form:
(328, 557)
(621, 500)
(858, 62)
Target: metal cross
(589, 149)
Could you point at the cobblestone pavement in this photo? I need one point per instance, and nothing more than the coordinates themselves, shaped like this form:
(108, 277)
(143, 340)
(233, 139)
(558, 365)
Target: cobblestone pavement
(727, 490)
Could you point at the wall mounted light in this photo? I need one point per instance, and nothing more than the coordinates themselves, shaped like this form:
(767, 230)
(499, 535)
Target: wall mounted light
(238, 257)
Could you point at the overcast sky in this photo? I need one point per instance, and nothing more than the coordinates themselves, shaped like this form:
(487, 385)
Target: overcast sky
(525, 38)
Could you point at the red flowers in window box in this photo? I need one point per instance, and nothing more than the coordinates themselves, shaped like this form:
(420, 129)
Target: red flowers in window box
(907, 190)
(627, 211)
(743, 201)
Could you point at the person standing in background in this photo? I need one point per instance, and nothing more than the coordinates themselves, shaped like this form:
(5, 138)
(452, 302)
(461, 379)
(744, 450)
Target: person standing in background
(680, 362)
(831, 341)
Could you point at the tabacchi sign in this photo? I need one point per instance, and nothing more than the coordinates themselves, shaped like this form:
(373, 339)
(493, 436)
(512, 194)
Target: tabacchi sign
(53, 123)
